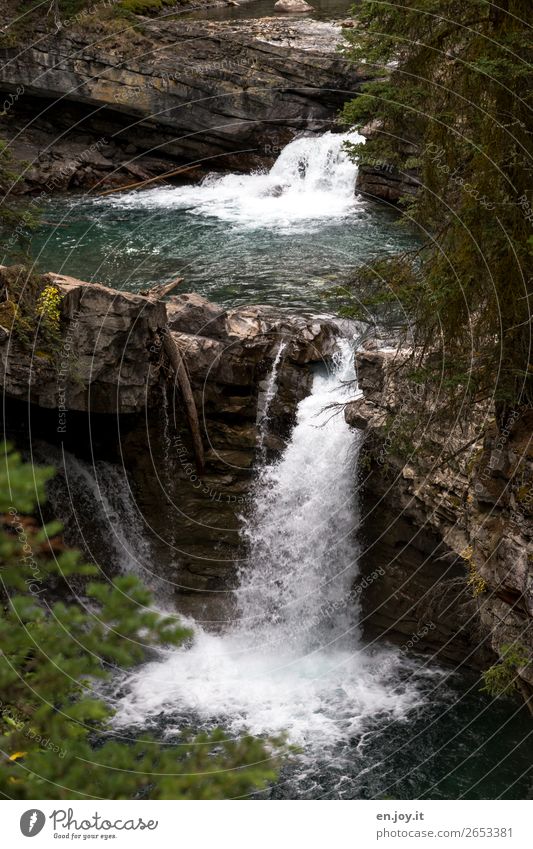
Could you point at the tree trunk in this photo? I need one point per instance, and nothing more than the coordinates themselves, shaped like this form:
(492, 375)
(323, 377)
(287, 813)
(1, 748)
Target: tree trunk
(176, 360)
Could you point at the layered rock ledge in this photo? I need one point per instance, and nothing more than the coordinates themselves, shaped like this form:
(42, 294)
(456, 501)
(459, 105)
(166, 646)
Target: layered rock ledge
(108, 355)
(383, 181)
(224, 94)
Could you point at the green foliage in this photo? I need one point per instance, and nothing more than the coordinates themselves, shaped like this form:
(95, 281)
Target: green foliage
(476, 582)
(451, 95)
(502, 678)
(49, 306)
(25, 16)
(15, 225)
(54, 732)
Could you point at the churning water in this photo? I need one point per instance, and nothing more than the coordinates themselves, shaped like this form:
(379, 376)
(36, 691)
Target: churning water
(370, 721)
(312, 179)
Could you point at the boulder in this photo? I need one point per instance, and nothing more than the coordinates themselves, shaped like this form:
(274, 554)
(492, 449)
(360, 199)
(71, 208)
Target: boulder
(293, 6)
(102, 362)
(363, 414)
(194, 314)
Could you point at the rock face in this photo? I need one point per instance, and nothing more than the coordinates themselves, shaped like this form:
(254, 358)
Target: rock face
(383, 181)
(231, 92)
(240, 361)
(60, 149)
(109, 357)
(248, 368)
(102, 362)
(386, 183)
(451, 531)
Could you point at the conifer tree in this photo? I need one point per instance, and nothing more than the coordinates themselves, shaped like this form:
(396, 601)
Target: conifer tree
(452, 83)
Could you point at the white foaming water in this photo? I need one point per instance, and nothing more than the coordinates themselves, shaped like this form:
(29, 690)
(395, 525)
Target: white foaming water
(267, 396)
(312, 179)
(292, 661)
(301, 535)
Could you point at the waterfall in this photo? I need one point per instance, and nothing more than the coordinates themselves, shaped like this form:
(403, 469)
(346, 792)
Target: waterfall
(303, 557)
(99, 513)
(292, 662)
(266, 396)
(312, 179)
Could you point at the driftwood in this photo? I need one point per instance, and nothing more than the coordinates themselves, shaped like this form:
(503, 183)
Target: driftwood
(161, 289)
(183, 169)
(176, 361)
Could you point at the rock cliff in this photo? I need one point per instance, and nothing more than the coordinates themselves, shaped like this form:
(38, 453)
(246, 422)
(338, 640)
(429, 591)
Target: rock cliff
(223, 94)
(383, 181)
(108, 354)
(106, 391)
(449, 521)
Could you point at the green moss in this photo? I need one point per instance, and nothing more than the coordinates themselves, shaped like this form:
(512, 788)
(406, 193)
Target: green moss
(143, 7)
(30, 309)
(502, 678)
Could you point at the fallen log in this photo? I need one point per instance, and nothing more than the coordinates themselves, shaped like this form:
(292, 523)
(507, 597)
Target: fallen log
(161, 289)
(176, 361)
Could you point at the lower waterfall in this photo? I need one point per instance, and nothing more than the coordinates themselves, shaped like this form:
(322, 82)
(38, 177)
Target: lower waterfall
(302, 559)
(293, 661)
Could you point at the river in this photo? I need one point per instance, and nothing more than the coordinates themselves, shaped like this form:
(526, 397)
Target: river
(370, 720)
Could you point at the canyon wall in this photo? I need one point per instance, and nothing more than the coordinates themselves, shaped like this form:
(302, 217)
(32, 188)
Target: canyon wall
(447, 517)
(105, 391)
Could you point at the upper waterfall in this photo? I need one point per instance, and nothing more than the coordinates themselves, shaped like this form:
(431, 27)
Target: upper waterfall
(312, 178)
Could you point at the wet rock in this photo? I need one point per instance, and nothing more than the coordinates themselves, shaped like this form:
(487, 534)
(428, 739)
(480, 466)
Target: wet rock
(305, 340)
(230, 368)
(362, 414)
